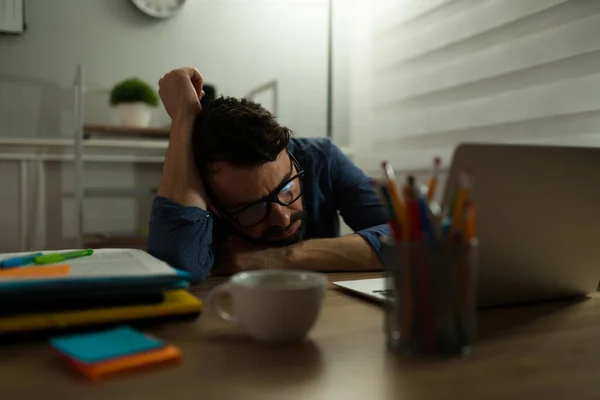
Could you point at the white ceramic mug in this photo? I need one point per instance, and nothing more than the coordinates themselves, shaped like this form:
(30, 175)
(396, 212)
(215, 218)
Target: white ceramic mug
(272, 305)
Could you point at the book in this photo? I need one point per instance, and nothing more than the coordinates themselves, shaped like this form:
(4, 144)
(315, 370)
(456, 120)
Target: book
(177, 304)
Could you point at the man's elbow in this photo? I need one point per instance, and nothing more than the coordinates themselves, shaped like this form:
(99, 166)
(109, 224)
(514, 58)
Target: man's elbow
(199, 270)
(198, 264)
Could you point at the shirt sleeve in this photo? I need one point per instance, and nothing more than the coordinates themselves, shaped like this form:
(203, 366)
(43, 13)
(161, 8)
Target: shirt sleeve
(357, 200)
(182, 237)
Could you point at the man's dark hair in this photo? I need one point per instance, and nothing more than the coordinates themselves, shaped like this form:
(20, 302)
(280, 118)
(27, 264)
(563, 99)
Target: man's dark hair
(237, 131)
(209, 94)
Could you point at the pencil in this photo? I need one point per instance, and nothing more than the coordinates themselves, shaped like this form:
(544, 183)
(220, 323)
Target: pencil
(384, 198)
(397, 203)
(421, 260)
(467, 270)
(392, 221)
(400, 211)
(459, 205)
(433, 179)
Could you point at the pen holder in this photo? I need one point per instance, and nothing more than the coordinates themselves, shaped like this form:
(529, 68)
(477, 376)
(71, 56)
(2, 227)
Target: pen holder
(432, 295)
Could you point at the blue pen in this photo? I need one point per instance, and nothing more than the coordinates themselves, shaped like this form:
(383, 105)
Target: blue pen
(19, 261)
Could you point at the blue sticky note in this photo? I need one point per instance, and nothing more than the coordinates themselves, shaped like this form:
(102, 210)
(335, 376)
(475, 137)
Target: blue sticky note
(94, 347)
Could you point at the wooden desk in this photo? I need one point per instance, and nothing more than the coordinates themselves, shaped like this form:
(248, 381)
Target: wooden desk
(547, 351)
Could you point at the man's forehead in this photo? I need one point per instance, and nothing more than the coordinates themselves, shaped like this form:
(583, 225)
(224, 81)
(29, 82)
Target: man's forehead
(234, 185)
(226, 168)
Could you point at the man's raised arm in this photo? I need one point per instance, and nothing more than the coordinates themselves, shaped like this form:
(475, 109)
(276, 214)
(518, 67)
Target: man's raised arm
(180, 229)
(180, 91)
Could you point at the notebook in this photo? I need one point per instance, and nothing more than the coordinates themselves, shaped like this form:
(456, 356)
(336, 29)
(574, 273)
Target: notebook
(104, 268)
(177, 304)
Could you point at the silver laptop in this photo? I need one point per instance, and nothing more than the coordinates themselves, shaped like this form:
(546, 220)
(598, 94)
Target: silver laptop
(538, 222)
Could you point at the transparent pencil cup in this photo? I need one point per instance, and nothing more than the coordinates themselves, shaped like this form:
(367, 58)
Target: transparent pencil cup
(431, 295)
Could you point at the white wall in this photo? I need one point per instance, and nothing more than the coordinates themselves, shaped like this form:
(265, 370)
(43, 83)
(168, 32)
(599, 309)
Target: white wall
(236, 44)
(429, 74)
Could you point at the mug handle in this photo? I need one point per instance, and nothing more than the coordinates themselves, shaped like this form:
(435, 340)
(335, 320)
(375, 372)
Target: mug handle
(214, 302)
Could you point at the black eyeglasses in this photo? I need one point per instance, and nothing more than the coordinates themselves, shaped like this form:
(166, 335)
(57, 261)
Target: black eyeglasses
(287, 193)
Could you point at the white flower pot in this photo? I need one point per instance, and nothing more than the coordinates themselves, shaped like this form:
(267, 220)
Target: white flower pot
(134, 114)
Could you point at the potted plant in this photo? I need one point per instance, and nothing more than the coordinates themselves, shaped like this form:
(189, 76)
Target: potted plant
(133, 99)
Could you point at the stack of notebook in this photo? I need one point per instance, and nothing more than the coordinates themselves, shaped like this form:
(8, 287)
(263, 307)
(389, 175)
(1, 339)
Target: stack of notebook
(69, 289)
(107, 352)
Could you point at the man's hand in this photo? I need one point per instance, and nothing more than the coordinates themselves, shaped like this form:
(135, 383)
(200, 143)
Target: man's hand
(237, 254)
(180, 91)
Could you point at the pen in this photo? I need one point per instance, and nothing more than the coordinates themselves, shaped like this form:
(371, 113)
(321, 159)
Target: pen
(18, 261)
(433, 179)
(60, 257)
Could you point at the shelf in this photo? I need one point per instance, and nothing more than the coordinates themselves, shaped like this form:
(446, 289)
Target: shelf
(119, 192)
(113, 130)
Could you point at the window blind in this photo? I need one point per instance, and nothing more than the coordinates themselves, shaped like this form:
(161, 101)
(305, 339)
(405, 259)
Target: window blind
(429, 74)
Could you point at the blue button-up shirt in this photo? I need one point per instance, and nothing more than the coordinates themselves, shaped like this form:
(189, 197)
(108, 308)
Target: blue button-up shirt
(187, 237)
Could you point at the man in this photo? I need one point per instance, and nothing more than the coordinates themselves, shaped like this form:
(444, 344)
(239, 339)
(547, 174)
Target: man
(239, 193)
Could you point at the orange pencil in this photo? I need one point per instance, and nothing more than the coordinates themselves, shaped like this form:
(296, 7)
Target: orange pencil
(396, 199)
(433, 179)
(459, 205)
(466, 271)
(470, 216)
(400, 211)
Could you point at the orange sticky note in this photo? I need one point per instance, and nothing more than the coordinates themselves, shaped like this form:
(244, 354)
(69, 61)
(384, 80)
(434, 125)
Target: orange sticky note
(36, 272)
(164, 355)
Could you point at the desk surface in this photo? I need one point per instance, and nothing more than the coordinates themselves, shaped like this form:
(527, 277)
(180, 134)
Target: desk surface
(546, 351)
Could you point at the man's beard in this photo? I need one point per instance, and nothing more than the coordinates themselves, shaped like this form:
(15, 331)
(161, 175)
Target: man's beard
(277, 231)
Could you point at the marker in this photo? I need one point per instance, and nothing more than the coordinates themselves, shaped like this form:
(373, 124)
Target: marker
(60, 257)
(19, 261)
(433, 179)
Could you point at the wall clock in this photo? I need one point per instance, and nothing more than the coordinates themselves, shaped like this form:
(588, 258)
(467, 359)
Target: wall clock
(159, 8)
